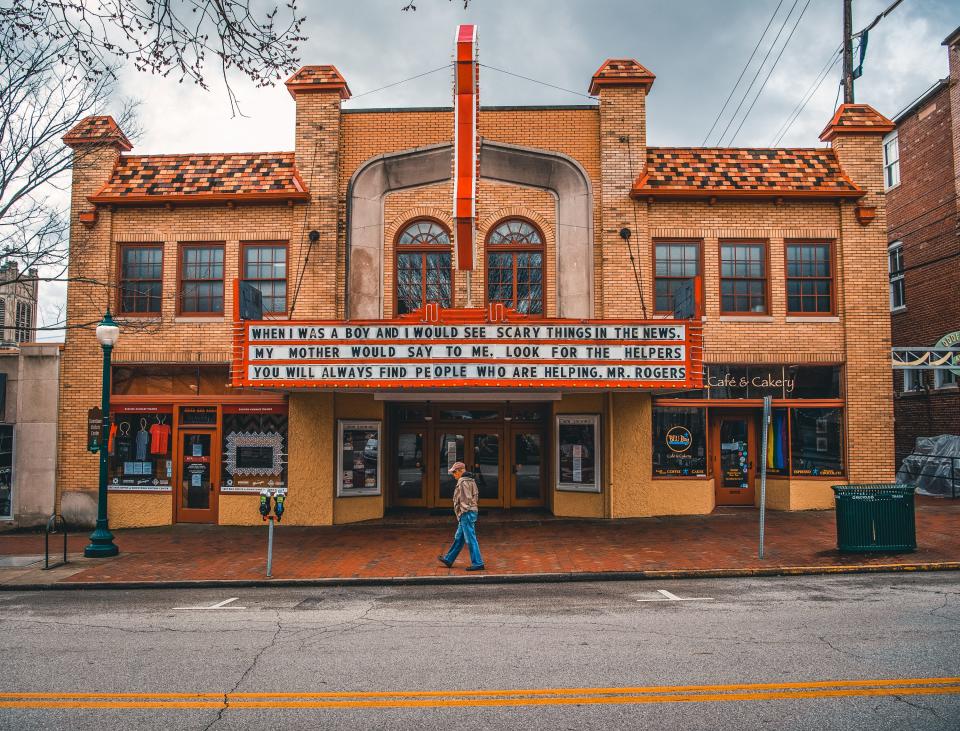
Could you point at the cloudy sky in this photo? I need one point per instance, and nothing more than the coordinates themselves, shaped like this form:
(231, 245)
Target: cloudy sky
(696, 48)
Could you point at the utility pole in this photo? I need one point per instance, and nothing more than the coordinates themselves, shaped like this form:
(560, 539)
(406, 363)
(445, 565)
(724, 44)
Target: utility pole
(848, 52)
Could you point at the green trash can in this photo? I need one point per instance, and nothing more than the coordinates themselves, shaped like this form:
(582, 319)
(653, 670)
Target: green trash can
(875, 517)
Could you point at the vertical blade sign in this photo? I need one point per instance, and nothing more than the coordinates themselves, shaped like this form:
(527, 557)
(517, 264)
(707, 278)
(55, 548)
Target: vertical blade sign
(465, 145)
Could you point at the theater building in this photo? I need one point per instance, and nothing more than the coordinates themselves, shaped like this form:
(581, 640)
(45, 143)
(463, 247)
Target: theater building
(588, 321)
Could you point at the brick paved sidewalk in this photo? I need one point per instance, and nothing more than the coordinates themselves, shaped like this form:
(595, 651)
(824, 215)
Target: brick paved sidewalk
(725, 540)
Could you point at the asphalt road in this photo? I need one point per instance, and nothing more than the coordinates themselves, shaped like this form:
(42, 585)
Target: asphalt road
(775, 653)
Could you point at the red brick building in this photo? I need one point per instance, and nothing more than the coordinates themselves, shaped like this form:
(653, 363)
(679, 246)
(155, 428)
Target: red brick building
(922, 180)
(489, 284)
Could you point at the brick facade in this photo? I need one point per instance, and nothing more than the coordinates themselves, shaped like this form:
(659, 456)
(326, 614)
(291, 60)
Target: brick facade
(924, 214)
(609, 143)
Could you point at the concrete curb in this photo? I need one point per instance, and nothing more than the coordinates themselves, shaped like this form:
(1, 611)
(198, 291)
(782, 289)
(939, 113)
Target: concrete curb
(495, 578)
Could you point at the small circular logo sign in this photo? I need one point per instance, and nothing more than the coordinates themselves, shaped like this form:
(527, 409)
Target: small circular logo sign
(679, 438)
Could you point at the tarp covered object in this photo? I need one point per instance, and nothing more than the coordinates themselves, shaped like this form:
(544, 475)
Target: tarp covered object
(934, 466)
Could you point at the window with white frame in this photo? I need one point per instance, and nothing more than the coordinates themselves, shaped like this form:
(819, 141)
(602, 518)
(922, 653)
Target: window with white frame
(914, 379)
(898, 299)
(891, 160)
(944, 378)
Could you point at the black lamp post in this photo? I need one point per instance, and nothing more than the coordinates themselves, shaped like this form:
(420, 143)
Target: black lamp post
(101, 540)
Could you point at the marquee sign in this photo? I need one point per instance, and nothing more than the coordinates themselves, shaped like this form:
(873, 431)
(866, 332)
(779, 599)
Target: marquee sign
(463, 348)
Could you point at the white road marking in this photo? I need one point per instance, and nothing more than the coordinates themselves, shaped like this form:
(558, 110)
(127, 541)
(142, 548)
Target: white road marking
(670, 597)
(218, 605)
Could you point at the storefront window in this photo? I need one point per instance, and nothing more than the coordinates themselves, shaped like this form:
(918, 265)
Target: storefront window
(358, 463)
(817, 442)
(254, 448)
(6, 470)
(679, 442)
(578, 465)
(140, 449)
(778, 443)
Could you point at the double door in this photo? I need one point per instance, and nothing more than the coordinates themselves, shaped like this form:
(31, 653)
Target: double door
(508, 463)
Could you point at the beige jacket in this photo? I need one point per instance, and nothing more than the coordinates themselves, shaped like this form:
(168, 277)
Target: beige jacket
(465, 495)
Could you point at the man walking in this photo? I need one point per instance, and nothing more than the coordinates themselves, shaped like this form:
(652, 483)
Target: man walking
(465, 498)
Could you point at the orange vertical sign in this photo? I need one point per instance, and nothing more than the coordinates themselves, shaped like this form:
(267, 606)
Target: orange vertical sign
(465, 145)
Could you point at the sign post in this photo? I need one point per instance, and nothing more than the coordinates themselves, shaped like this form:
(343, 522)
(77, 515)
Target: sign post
(767, 403)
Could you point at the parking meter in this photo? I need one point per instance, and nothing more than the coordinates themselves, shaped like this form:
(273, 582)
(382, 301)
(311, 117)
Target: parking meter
(279, 499)
(264, 504)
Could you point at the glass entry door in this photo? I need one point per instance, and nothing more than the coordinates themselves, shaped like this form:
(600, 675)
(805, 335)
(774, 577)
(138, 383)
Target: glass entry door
(527, 467)
(410, 468)
(734, 459)
(481, 450)
(197, 465)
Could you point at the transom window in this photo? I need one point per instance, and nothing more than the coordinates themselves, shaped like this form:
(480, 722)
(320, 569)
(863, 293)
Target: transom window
(809, 279)
(675, 264)
(423, 266)
(743, 278)
(141, 271)
(898, 295)
(515, 267)
(265, 267)
(201, 279)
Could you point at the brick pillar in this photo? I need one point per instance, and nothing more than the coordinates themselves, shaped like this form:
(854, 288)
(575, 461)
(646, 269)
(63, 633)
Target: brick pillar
(318, 91)
(622, 85)
(97, 143)
(856, 135)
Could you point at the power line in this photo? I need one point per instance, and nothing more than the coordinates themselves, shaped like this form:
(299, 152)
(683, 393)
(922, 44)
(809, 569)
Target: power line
(402, 81)
(749, 88)
(742, 72)
(770, 72)
(536, 81)
(805, 99)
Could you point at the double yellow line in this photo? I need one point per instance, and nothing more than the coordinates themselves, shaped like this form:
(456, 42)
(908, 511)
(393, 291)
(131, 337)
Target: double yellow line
(513, 697)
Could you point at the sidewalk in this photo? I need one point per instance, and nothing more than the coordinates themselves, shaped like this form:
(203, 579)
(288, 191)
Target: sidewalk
(723, 543)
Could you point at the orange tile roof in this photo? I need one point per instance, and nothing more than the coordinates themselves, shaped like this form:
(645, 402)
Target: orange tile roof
(253, 176)
(97, 129)
(856, 119)
(621, 72)
(317, 78)
(701, 172)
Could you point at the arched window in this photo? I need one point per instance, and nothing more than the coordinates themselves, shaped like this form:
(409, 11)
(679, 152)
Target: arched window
(515, 267)
(423, 266)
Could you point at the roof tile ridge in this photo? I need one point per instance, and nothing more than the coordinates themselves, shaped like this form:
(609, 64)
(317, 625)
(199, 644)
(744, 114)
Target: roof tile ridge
(181, 155)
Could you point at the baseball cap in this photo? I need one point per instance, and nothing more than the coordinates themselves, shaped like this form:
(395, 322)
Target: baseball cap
(456, 466)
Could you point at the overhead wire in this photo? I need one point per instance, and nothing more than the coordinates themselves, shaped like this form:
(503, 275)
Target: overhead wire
(756, 75)
(811, 91)
(537, 81)
(402, 81)
(742, 72)
(770, 71)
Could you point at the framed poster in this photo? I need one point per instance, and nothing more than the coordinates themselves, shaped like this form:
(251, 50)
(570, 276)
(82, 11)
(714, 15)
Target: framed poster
(577, 449)
(358, 458)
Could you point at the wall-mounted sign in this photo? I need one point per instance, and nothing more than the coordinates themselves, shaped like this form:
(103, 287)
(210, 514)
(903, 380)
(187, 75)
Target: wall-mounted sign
(541, 353)
(951, 340)
(94, 428)
(778, 381)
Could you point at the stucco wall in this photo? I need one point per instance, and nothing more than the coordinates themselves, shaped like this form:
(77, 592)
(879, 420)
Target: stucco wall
(310, 436)
(139, 509)
(581, 504)
(362, 507)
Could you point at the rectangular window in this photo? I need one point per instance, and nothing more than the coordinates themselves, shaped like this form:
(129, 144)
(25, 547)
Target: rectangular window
(898, 295)
(578, 461)
(679, 442)
(24, 322)
(816, 442)
(254, 448)
(891, 160)
(674, 264)
(141, 279)
(778, 444)
(809, 279)
(358, 463)
(914, 380)
(201, 279)
(6, 471)
(743, 278)
(265, 267)
(140, 448)
(945, 378)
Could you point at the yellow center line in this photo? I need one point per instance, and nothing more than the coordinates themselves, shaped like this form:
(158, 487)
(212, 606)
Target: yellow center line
(511, 697)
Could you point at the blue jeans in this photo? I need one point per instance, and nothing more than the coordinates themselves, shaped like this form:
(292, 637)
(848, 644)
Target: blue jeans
(466, 533)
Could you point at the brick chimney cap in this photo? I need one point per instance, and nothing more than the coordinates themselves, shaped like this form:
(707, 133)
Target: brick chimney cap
(97, 130)
(621, 72)
(317, 78)
(856, 119)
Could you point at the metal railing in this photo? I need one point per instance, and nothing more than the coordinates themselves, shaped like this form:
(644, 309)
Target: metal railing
(930, 470)
(51, 527)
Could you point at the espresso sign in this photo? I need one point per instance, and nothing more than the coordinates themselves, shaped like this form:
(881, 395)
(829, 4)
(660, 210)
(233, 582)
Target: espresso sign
(547, 353)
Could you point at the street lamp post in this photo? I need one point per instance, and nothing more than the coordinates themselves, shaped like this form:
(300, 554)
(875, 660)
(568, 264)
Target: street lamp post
(101, 540)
